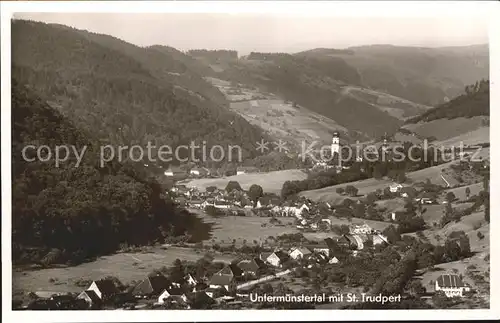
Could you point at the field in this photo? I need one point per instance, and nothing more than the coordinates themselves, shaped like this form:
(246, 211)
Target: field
(460, 191)
(241, 228)
(282, 120)
(393, 105)
(271, 182)
(444, 129)
(329, 194)
(475, 137)
(124, 266)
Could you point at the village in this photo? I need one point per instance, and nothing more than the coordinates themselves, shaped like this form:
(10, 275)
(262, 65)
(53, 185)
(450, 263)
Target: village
(231, 285)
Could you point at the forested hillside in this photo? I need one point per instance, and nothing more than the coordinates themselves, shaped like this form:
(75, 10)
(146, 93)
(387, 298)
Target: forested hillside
(68, 213)
(422, 75)
(315, 83)
(474, 102)
(124, 94)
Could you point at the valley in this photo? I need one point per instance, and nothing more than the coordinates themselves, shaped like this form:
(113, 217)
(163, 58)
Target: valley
(206, 226)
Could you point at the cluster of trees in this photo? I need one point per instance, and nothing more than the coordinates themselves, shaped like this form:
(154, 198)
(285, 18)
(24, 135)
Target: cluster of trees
(216, 55)
(455, 247)
(320, 180)
(475, 102)
(69, 213)
(451, 214)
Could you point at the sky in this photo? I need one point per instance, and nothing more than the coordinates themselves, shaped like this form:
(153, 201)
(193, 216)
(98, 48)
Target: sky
(271, 32)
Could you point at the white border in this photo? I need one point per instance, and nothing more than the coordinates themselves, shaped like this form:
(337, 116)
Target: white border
(486, 10)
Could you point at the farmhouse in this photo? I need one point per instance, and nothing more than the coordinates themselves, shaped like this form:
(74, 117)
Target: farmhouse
(231, 270)
(224, 281)
(215, 292)
(104, 288)
(190, 280)
(320, 248)
(277, 258)
(251, 266)
(299, 253)
(152, 286)
(394, 188)
(246, 170)
(451, 285)
(222, 205)
(198, 171)
(360, 229)
(175, 294)
(89, 296)
(174, 171)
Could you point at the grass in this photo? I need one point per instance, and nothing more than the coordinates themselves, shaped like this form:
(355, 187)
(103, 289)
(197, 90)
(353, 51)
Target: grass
(329, 194)
(286, 122)
(271, 182)
(124, 266)
(474, 137)
(460, 191)
(240, 228)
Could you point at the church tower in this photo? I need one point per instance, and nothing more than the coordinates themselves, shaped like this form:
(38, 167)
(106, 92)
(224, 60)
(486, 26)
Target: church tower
(336, 143)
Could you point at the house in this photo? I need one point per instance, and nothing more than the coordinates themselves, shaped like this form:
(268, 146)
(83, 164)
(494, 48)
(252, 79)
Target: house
(196, 203)
(395, 216)
(104, 288)
(222, 281)
(322, 247)
(246, 170)
(152, 286)
(394, 188)
(198, 171)
(269, 200)
(299, 253)
(451, 285)
(327, 221)
(379, 239)
(174, 171)
(215, 292)
(222, 205)
(190, 280)
(232, 270)
(334, 260)
(91, 298)
(175, 294)
(251, 266)
(360, 229)
(351, 241)
(277, 258)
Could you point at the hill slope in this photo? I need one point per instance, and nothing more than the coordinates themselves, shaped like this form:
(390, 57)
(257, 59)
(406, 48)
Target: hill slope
(67, 213)
(466, 117)
(124, 94)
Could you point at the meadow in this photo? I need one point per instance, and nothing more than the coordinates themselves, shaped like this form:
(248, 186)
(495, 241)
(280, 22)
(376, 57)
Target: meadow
(271, 182)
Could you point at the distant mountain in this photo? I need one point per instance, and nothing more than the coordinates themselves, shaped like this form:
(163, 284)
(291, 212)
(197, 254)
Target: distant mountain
(421, 75)
(314, 83)
(124, 94)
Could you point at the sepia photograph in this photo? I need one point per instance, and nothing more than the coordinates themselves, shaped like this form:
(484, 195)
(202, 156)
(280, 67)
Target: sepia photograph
(253, 158)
